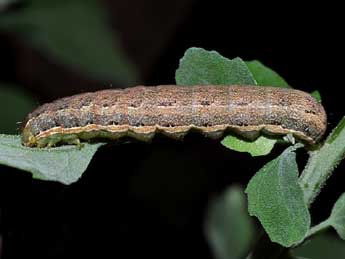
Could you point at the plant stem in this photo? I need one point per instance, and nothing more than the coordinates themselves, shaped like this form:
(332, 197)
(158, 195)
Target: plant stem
(311, 179)
(318, 228)
(322, 162)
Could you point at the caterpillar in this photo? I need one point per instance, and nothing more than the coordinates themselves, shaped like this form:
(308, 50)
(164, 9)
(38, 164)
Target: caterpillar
(140, 112)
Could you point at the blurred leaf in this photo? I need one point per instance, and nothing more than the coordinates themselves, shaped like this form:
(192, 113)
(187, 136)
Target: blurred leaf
(275, 197)
(4, 3)
(15, 104)
(260, 147)
(321, 247)
(228, 227)
(63, 164)
(316, 94)
(337, 218)
(75, 33)
(265, 76)
(202, 67)
(322, 162)
(288, 255)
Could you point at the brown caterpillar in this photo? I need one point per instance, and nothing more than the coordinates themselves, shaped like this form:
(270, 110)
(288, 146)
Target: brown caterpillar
(141, 111)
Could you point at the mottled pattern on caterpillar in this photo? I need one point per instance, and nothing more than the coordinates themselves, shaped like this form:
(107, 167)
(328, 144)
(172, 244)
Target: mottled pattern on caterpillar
(140, 112)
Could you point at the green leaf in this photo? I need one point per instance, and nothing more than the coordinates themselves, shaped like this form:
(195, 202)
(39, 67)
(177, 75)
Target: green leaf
(63, 164)
(276, 199)
(337, 218)
(228, 227)
(321, 247)
(74, 33)
(259, 147)
(202, 67)
(14, 105)
(265, 76)
(316, 94)
(322, 162)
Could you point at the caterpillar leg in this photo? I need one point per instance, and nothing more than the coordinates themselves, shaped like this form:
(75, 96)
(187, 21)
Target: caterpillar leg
(75, 141)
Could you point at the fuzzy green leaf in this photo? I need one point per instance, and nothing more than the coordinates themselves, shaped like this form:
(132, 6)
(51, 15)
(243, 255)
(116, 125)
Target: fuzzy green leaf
(202, 67)
(276, 199)
(259, 147)
(322, 162)
(265, 76)
(337, 218)
(228, 227)
(63, 164)
(74, 33)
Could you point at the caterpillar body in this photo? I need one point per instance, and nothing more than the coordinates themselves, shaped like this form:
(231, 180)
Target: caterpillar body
(142, 111)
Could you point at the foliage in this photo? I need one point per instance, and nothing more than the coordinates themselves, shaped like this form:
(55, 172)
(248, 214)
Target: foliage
(63, 164)
(74, 33)
(228, 226)
(275, 197)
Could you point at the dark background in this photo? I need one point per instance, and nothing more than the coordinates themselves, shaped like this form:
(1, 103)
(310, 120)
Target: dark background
(149, 200)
